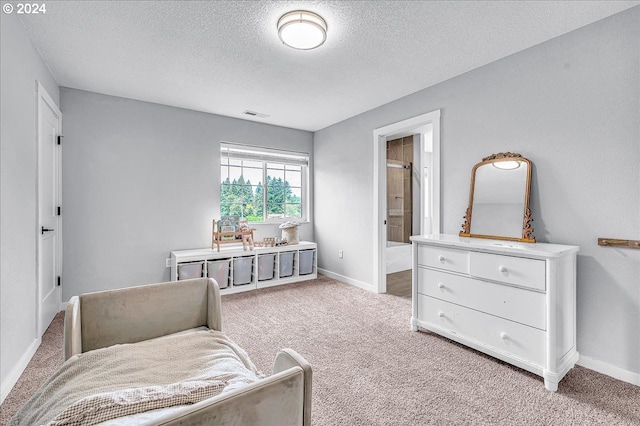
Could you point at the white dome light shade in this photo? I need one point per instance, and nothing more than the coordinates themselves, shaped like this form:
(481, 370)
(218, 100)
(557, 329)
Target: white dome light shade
(506, 165)
(302, 30)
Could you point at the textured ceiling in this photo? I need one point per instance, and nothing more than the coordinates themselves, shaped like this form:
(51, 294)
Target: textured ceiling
(225, 57)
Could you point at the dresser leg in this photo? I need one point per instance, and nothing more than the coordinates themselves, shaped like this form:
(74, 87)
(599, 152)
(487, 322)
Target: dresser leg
(550, 381)
(414, 327)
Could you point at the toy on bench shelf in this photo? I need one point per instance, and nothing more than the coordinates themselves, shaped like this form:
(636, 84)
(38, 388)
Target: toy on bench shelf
(230, 230)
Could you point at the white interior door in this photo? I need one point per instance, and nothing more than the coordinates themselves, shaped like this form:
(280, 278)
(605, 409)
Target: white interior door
(49, 127)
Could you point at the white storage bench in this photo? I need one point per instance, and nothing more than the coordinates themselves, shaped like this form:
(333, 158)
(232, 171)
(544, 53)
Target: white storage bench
(238, 270)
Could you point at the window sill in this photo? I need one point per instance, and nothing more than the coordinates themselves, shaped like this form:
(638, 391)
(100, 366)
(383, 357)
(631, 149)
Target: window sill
(280, 222)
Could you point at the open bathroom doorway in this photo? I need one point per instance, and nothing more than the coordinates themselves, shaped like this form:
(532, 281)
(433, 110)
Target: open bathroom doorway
(402, 185)
(406, 196)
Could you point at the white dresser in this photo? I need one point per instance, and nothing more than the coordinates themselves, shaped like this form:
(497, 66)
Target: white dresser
(514, 301)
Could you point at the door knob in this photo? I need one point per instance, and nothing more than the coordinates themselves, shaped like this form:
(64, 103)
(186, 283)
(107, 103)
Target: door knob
(43, 230)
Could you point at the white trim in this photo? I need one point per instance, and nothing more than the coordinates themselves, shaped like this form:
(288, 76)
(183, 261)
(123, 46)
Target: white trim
(609, 370)
(19, 368)
(347, 280)
(415, 124)
(48, 99)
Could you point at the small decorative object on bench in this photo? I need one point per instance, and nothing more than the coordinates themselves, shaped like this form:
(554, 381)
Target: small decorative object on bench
(269, 241)
(228, 226)
(247, 239)
(225, 231)
(290, 232)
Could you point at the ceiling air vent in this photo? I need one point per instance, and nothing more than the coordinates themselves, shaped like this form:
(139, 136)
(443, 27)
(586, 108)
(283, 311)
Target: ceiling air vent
(256, 114)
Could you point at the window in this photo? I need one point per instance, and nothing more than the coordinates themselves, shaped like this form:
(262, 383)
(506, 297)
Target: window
(261, 184)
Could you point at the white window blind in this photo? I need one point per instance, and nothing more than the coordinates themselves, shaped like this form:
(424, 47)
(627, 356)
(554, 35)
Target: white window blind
(246, 152)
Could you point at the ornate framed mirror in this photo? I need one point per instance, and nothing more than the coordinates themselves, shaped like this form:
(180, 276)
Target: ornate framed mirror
(499, 199)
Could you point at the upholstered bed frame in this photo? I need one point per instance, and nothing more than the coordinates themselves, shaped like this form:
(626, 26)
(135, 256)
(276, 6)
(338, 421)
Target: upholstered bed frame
(130, 315)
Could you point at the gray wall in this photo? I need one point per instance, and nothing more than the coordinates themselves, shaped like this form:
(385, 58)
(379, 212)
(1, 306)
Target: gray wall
(21, 66)
(572, 106)
(140, 180)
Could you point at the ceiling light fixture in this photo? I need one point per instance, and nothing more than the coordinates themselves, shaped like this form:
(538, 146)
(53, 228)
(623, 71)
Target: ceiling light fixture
(302, 29)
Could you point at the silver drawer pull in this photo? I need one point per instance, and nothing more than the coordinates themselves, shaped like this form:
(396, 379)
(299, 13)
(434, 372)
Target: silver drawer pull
(504, 336)
(502, 269)
(440, 285)
(441, 258)
(441, 314)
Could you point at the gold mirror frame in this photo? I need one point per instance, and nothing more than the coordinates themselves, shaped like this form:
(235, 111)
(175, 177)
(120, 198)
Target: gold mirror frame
(527, 230)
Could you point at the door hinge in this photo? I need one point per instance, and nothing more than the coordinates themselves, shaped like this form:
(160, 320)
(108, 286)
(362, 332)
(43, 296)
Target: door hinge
(59, 281)
(60, 140)
(59, 210)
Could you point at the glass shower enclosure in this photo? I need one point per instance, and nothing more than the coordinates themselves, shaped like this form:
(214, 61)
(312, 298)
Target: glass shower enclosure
(399, 202)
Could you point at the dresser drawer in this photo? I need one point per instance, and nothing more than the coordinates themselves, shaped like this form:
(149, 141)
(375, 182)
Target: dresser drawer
(515, 304)
(443, 258)
(508, 269)
(499, 334)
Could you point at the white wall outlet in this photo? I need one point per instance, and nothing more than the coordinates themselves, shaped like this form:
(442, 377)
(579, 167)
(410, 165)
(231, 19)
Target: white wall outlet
(340, 254)
(167, 262)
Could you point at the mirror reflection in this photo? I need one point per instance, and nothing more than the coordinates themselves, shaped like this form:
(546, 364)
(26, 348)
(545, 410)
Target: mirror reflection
(499, 199)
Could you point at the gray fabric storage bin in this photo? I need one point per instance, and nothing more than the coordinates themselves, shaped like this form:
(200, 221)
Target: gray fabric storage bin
(286, 264)
(305, 262)
(190, 270)
(266, 263)
(242, 270)
(219, 271)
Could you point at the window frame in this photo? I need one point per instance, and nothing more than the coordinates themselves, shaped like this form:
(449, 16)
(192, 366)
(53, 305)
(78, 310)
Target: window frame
(265, 156)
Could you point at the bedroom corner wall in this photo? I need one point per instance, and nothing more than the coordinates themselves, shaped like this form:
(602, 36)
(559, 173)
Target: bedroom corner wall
(21, 65)
(140, 180)
(571, 105)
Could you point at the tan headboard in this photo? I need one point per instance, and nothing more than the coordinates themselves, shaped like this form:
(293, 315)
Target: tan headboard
(134, 314)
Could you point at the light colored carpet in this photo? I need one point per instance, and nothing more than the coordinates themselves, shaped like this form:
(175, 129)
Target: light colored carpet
(47, 359)
(370, 369)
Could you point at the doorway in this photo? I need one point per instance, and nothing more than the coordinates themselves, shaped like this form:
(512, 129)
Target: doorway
(403, 188)
(49, 247)
(424, 132)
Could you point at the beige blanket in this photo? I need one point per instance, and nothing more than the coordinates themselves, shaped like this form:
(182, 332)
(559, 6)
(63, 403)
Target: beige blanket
(121, 380)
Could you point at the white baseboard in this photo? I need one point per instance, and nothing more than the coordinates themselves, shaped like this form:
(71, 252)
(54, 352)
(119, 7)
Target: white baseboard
(609, 370)
(347, 280)
(17, 371)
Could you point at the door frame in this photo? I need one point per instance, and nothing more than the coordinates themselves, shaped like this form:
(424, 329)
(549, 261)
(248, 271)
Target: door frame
(413, 125)
(43, 98)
